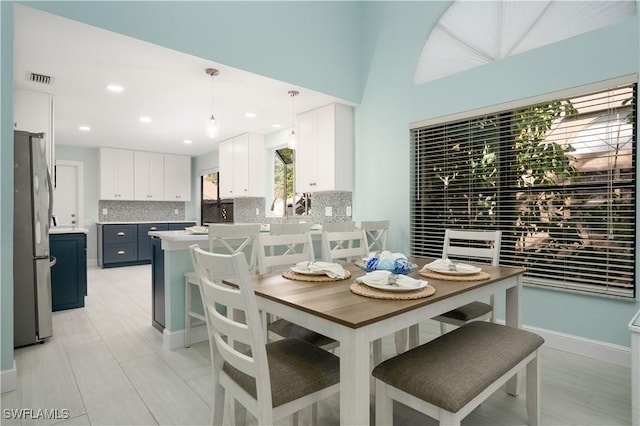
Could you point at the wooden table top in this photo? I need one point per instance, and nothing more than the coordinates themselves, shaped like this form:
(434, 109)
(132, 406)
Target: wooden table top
(335, 301)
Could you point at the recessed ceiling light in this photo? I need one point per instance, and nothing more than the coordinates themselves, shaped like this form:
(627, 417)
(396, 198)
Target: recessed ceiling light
(250, 115)
(145, 119)
(84, 128)
(188, 141)
(115, 88)
(276, 126)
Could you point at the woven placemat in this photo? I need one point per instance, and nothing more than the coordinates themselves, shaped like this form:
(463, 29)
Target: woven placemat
(365, 290)
(448, 277)
(289, 274)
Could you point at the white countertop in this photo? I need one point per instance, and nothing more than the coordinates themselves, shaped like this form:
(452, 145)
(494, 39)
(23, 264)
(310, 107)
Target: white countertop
(181, 240)
(133, 222)
(63, 230)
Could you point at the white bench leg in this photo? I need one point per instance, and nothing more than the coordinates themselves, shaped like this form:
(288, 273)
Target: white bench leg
(414, 336)
(384, 405)
(533, 391)
(447, 418)
(400, 338)
(377, 352)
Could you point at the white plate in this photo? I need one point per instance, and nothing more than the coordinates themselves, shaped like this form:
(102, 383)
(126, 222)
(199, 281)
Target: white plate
(303, 271)
(388, 287)
(468, 269)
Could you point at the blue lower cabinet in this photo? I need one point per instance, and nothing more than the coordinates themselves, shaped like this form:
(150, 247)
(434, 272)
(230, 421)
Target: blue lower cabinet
(69, 272)
(129, 243)
(144, 239)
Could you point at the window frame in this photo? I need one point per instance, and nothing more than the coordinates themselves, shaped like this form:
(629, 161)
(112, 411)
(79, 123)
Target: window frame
(420, 240)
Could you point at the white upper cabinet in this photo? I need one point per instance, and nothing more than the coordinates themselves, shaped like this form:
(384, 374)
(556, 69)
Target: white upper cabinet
(177, 177)
(148, 176)
(33, 112)
(324, 156)
(116, 174)
(241, 163)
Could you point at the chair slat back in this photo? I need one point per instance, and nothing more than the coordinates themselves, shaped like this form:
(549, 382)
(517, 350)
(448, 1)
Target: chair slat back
(225, 329)
(473, 244)
(289, 228)
(338, 226)
(344, 245)
(377, 233)
(232, 238)
(279, 251)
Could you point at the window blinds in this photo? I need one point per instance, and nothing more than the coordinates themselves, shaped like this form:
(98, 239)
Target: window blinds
(558, 178)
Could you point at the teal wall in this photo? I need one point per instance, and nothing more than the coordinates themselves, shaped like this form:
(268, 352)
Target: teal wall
(91, 161)
(6, 186)
(365, 52)
(309, 44)
(390, 102)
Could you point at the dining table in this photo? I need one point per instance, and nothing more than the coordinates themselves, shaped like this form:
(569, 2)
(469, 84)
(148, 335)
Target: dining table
(355, 321)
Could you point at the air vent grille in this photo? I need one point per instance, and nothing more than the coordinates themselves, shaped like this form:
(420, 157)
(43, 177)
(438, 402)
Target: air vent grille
(40, 78)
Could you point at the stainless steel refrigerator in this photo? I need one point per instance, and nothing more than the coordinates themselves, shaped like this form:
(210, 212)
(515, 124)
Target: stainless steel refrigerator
(32, 208)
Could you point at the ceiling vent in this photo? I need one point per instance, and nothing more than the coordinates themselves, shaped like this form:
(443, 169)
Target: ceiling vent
(39, 78)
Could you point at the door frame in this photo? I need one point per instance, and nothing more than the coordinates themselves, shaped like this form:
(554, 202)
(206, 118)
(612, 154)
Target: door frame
(79, 166)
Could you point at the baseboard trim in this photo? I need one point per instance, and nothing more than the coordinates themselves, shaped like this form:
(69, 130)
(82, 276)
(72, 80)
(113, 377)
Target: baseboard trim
(175, 339)
(9, 379)
(603, 351)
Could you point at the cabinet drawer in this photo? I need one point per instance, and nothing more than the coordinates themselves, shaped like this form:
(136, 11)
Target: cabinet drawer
(119, 234)
(116, 253)
(144, 228)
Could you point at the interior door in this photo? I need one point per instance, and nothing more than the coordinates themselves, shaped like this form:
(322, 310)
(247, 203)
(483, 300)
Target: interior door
(67, 195)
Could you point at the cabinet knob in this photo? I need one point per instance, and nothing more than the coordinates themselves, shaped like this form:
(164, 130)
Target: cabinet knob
(120, 234)
(120, 252)
(153, 228)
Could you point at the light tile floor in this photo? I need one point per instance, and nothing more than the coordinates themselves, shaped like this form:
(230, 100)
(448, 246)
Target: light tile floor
(106, 366)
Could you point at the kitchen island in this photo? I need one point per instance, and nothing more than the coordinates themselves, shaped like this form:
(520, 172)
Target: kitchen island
(170, 260)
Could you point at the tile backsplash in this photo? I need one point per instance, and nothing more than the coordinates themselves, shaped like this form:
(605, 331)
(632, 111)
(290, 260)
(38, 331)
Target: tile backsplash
(140, 211)
(244, 209)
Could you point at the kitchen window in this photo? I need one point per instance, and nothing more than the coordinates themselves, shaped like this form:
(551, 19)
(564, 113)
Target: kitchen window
(284, 195)
(212, 208)
(558, 177)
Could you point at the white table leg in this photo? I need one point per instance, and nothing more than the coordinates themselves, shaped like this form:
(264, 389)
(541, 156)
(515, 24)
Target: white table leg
(354, 380)
(514, 319)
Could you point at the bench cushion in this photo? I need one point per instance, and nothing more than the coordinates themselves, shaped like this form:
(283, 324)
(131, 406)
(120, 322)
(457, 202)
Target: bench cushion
(452, 369)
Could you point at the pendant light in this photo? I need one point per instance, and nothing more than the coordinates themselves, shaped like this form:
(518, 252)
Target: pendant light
(213, 126)
(292, 140)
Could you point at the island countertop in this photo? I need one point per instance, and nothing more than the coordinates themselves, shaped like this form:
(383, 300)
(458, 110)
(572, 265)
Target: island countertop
(180, 240)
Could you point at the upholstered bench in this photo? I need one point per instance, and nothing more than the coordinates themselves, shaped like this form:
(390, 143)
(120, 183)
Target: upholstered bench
(450, 376)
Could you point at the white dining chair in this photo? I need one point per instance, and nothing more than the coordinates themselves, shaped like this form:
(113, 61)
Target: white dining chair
(338, 226)
(270, 380)
(279, 252)
(344, 245)
(289, 228)
(282, 251)
(467, 245)
(228, 239)
(377, 233)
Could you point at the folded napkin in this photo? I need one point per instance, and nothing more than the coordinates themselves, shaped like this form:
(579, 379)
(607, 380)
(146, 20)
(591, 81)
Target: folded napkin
(382, 278)
(448, 265)
(332, 270)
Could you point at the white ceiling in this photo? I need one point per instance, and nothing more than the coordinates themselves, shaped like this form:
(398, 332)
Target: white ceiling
(169, 86)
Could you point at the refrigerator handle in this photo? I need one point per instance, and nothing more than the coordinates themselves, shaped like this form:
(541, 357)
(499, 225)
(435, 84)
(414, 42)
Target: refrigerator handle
(50, 197)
